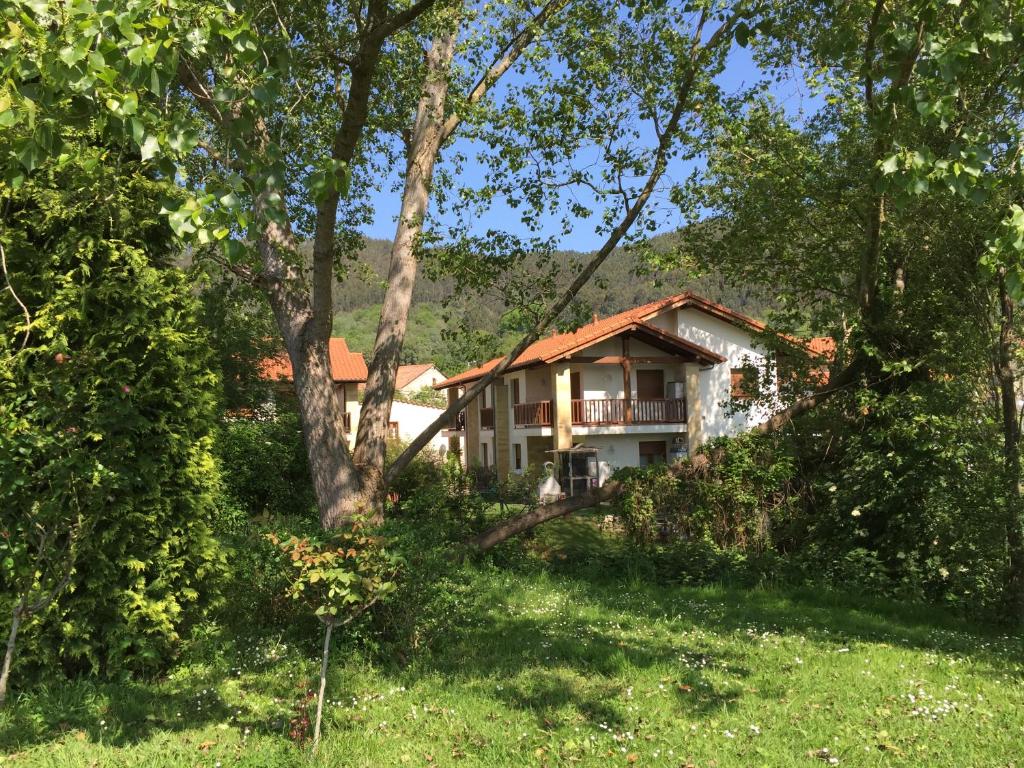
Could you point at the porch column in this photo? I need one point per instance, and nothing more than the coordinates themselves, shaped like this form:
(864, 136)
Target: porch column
(454, 440)
(694, 407)
(502, 435)
(627, 383)
(561, 401)
(473, 432)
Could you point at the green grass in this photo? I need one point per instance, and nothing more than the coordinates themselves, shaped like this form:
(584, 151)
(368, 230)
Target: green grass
(529, 667)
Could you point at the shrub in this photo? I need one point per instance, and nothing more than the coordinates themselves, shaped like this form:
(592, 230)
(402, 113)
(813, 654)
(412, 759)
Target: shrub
(264, 465)
(108, 412)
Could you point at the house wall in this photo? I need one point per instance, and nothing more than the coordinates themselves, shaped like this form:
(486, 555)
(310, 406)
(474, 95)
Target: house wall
(428, 378)
(352, 408)
(604, 381)
(739, 348)
(535, 384)
(413, 419)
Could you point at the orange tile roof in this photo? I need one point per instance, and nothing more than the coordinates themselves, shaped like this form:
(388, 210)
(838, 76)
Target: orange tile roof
(407, 374)
(825, 346)
(346, 366)
(553, 347)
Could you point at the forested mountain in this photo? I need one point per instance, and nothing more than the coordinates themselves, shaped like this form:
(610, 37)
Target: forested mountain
(625, 280)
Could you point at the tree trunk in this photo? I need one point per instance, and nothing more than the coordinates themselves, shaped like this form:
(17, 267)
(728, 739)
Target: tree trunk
(328, 626)
(1011, 452)
(542, 514)
(424, 146)
(336, 481)
(12, 639)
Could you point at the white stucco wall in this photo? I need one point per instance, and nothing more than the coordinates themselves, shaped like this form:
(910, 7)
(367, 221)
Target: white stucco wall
(412, 420)
(739, 349)
(428, 378)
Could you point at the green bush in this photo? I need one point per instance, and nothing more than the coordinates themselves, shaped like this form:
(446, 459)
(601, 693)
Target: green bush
(108, 412)
(106, 407)
(264, 465)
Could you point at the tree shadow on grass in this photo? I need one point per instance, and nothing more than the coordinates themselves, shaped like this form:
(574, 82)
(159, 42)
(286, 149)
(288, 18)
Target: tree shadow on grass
(542, 655)
(120, 714)
(555, 666)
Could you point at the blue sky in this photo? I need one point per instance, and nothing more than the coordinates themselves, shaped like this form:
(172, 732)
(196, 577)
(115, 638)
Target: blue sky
(741, 71)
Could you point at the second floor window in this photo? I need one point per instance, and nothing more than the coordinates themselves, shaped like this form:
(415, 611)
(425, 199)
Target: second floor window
(743, 384)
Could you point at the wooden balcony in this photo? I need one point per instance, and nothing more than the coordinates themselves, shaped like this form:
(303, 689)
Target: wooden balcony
(629, 411)
(614, 411)
(532, 414)
(487, 418)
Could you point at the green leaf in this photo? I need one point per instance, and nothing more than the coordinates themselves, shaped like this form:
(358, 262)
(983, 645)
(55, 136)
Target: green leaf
(742, 34)
(149, 147)
(29, 154)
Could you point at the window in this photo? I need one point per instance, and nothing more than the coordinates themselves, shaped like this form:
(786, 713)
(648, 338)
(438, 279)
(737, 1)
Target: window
(517, 450)
(483, 455)
(483, 397)
(743, 383)
(515, 392)
(393, 430)
(652, 452)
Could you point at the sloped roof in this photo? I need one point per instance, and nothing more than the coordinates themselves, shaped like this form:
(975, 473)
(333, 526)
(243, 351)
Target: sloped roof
(559, 345)
(823, 346)
(407, 374)
(553, 347)
(346, 366)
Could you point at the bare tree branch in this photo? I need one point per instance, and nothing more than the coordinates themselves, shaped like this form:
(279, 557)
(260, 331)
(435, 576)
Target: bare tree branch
(504, 60)
(10, 289)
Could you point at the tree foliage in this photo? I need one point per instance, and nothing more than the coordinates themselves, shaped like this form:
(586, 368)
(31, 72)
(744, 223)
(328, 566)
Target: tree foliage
(105, 419)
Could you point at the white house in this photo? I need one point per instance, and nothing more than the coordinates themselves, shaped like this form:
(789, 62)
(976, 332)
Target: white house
(642, 386)
(348, 370)
(410, 379)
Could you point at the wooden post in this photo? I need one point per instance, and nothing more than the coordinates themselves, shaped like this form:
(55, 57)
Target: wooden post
(454, 441)
(627, 388)
(502, 431)
(473, 433)
(694, 407)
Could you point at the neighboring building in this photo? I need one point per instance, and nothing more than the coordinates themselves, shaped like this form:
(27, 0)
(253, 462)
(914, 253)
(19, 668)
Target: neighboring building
(643, 386)
(412, 378)
(348, 369)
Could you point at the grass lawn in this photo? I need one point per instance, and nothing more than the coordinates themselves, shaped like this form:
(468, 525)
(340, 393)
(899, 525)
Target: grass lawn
(530, 667)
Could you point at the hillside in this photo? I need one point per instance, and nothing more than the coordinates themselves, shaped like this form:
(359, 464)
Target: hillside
(623, 281)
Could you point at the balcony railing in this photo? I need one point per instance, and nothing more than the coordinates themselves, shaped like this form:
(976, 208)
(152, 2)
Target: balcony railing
(629, 411)
(600, 412)
(532, 414)
(659, 411)
(487, 418)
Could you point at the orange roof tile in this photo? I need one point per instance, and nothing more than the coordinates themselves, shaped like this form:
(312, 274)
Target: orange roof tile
(407, 374)
(346, 366)
(553, 347)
